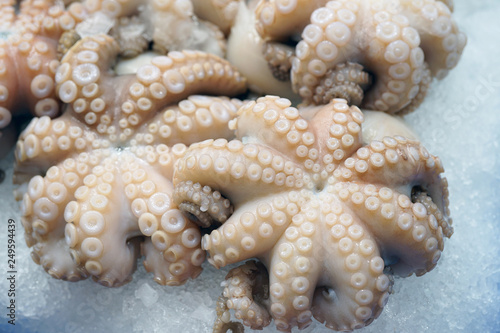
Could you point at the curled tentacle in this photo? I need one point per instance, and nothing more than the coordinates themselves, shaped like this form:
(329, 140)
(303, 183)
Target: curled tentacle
(279, 60)
(67, 40)
(28, 59)
(345, 81)
(222, 322)
(246, 291)
(207, 207)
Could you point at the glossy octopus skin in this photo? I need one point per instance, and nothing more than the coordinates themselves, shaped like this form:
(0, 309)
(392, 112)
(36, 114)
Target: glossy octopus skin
(324, 211)
(403, 43)
(28, 58)
(99, 177)
(219, 12)
(246, 50)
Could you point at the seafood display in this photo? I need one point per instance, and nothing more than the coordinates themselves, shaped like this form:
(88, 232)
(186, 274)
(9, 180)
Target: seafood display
(265, 132)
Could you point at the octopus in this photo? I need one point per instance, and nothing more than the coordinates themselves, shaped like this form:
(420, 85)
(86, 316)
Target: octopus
(331, 210)
(98, 190)
(381, 55)
(28, 60)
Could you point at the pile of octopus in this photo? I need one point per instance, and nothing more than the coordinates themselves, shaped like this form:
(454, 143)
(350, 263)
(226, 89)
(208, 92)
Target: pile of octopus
(267, 133)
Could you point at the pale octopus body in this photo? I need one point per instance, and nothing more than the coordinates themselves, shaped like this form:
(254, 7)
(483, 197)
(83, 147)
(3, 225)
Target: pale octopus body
(402, 43)
(108, 163)
(326, 213)
(28, 59)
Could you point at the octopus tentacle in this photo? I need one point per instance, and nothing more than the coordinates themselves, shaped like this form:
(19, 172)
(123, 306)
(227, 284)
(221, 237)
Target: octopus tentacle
(206, 207)
(246, 291)
(409, 229)
(402, 40)
(422, 92)
(441, 40)
(407, 159)
(278, 57)
(28, 56)
(81, 76)
(91, 225)
(33, 59)
(254, 168)
(190, 121)
(45, 140)
(345, 81)
(246, 234)
(104, 241)
(166, 80)
(7, 14)
(173, 250)
(402, 213)
(170, 79)
(354, 290)
(43, 219)
(281, 127)
(295, 270)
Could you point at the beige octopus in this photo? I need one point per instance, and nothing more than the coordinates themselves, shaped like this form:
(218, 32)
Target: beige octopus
(107, 163)
(327, 213)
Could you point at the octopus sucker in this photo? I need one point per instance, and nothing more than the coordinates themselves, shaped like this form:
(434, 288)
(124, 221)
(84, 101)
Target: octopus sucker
(398, 44)
(325, 234)
(100, 176)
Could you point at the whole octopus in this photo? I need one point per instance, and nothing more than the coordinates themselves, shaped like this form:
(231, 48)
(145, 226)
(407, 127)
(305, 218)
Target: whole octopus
(158, 161)
(322, 209)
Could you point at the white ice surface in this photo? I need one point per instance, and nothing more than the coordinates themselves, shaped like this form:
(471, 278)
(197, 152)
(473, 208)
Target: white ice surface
(459, 121)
